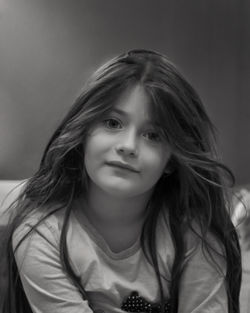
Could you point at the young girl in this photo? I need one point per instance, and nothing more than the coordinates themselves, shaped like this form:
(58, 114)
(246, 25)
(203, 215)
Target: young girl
(128, 210)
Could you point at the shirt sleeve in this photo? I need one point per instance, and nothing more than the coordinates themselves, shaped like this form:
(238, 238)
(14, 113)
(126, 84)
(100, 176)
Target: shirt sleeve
(202, 286)
(47, 287)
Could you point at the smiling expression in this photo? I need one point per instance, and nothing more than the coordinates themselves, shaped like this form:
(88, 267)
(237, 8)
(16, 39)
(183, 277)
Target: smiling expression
(125, 154)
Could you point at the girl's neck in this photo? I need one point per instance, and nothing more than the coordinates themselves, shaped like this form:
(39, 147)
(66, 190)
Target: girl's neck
(103, 208)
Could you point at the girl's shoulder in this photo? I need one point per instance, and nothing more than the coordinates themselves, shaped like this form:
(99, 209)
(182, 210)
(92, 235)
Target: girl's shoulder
(189, 233)
(194, 237)
(203, 247)
(43, 222)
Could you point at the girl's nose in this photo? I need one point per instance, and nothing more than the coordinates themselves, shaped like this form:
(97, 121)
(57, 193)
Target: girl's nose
(127, 144)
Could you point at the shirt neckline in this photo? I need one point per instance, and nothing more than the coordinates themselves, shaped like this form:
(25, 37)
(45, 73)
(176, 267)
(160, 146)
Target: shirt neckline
(98, 239)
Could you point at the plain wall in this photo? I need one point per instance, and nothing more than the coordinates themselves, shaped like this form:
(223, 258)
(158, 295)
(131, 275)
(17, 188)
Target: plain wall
(49, 48)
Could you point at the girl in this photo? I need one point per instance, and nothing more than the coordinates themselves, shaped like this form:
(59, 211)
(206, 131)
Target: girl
(128, 210)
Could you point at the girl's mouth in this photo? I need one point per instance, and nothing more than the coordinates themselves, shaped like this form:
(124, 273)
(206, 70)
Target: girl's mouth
(123, 166)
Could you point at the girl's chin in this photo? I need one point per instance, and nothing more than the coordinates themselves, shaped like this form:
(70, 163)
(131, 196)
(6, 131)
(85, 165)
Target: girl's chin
(124, 191)
(119, 192)
(120, 187)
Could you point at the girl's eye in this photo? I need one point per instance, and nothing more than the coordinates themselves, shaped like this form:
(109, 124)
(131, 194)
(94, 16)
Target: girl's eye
(154, 136)
(112, 123)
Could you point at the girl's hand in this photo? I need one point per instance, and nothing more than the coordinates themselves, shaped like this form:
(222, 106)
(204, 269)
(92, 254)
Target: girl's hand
(241, 219)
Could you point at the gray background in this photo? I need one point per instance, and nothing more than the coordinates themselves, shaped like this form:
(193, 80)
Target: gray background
(49, 47)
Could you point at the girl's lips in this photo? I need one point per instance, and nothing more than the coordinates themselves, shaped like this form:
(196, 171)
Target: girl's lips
(123, 166)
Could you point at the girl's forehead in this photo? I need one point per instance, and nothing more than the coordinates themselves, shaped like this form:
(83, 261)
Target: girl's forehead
(134, 101)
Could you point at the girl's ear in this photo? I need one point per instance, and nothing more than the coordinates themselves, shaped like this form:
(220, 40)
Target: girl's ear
(169, 167)
(168, 171)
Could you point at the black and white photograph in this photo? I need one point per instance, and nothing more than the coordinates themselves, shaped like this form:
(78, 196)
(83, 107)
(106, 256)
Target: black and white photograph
(124, 156)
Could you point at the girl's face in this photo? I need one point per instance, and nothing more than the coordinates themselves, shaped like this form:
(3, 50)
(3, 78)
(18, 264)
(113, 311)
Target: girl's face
(125, 154)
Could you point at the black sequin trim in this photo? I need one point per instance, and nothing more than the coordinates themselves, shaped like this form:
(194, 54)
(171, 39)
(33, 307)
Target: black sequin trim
(136, 303)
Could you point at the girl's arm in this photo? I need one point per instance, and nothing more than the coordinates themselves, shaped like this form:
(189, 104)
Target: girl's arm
(48, 288)
(202, 286)
(241, 218)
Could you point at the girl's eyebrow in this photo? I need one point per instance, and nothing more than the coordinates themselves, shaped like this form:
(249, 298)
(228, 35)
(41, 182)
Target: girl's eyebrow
(124, 113)
(119, 111)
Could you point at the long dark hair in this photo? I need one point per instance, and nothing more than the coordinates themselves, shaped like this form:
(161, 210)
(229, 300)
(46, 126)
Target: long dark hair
(194, 191)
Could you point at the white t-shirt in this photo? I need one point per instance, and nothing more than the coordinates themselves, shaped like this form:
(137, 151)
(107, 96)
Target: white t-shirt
(107, 277)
